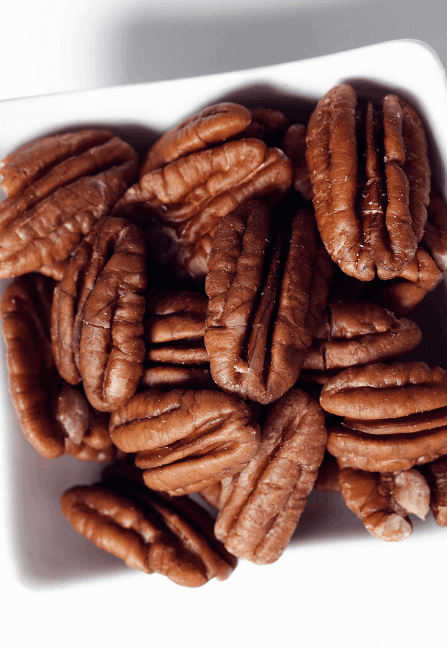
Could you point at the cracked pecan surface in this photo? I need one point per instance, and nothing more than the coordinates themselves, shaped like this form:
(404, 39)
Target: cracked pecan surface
(186, 439)
(150, 533)
(58, 188)
(370, 175)
(267, 290)
(269, 495)
(188, 197)
(383, 501)
(108, 328)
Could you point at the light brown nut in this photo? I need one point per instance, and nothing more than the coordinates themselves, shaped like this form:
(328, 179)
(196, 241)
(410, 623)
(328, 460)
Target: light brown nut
(60, 187)
(384, 500)
(110, 311)
(192, 194)
(269, 495)
(267, 289)
(217, 493)
(436, 474)
(69, 297)
(387, 452)
(149, 535)
(379, 390)
(360, 332)
(186, 439)
(370, 209)
(212, 125)
(327, 478)
(294, 146)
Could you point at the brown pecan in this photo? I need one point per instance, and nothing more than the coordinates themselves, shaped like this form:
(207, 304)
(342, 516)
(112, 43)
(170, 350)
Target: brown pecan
(384, 500)
(108, 327)
(267, 124)
(436, 474)
(217, 493)
(149, 534)
(176, 356)
(269, 495)
(294, 146)
(190, 196)
(371, 180)
(267, 291)
(327, 479)
(359, 332)
(378, 391)
(387, 452)
(59, 188)
(186, 439)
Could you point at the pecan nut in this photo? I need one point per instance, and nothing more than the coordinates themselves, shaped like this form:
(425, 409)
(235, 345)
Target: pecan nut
(108, 328)
(269, 495)
(265, 300)
(294, 146)
(436, 474)
(192, 194)
(185, 440)
(370, 175)
(149, 534)
(59, 187)
(383, 501)
(359, 332)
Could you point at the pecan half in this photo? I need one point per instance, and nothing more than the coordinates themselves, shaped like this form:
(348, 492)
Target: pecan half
(108, 327)
(294, 146)
(267, 291)
(186, 439)
(436, 474)
(190, 196)
(371, 180)
(383, 501)
(379, 391)
(149, 534)
(359, 332)
(60, 187)
(269, 495)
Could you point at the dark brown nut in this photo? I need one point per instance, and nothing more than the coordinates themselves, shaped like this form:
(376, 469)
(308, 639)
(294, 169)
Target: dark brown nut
(60, 187)
(388, 452)
(212, 125)
(371, 180)
(192, 194)
(25, 312)
(407, 424)
(69, 297)
(378, 391)
(265, 300)
(151, 536)
(360, 332)
(327, 479)
(269, 495)
(167, 377)
(436, 474)
(111, 310)
(171, 316)
(186, 439)
(383, 501)
(294, 146)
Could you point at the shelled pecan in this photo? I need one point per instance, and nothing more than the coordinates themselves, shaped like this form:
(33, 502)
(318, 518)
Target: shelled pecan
(58, 188)
(269, 495)
(370, 175)
(150, 533)
(436, 475)
(267, 290)
(185, 439)
(294, 146)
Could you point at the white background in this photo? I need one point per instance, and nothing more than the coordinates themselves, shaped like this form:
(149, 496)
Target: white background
(337, 586)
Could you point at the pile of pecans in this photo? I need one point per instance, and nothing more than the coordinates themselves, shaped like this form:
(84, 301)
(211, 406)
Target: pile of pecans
(223, 318)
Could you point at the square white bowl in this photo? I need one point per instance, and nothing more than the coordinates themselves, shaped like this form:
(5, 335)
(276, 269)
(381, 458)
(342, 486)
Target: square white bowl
(75, 594)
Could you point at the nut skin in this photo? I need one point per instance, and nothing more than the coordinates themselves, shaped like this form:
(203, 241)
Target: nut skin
(269, 495)
(294, 146)
(151, 534)
(185, 439)
(358, 333)
(362, 231)
(384, 500)
(436, 475)
(264, 301)
(188, 197)
(108, 326)
(60, 187)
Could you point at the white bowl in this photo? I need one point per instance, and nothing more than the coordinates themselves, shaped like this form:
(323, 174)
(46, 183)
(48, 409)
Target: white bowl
(335, 582)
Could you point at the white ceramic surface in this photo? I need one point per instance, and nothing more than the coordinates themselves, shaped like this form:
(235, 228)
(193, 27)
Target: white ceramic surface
(335, 584)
